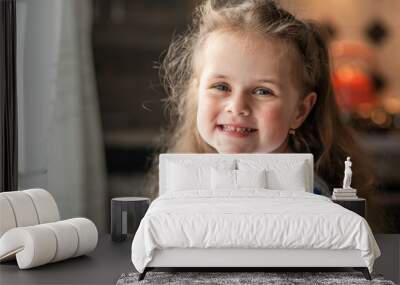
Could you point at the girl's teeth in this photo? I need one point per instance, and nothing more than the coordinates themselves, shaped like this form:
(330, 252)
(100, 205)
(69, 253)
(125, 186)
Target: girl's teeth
(233, 129)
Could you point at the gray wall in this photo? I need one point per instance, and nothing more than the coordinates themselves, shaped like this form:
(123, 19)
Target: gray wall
(60, 142)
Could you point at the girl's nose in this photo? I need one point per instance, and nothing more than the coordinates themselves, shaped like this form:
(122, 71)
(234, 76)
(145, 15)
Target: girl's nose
(237, 105)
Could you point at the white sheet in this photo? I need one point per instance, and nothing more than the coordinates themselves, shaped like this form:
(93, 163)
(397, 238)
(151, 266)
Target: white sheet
(251, 218)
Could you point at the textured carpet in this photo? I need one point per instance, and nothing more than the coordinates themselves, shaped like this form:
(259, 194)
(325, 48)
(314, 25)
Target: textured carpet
(228, 278)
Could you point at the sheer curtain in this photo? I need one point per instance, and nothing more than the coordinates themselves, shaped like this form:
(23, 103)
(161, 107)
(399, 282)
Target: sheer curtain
(60, 146)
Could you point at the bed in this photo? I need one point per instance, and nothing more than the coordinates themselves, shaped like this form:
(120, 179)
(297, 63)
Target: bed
(247, 211)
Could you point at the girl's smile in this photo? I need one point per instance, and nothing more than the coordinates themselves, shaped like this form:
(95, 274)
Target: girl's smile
(239, 131)
(248, 94)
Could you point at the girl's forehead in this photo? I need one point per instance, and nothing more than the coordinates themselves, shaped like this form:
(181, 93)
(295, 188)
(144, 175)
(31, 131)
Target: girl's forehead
(247, 51)
(247, 41)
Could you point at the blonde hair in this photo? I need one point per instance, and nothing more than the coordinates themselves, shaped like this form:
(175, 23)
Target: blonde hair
(322, 133)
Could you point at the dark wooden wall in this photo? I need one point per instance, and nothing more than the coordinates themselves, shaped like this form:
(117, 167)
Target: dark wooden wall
(129, 37)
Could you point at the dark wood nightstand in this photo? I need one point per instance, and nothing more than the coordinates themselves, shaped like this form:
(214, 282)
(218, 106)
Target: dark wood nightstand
(126, 214)
(357, 205)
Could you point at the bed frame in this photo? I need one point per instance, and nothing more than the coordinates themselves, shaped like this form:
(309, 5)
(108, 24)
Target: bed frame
(234, 259)
(250, 259)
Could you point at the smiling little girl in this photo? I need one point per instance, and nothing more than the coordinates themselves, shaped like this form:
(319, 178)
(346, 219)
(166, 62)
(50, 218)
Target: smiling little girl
(248, 77)
(248, 93)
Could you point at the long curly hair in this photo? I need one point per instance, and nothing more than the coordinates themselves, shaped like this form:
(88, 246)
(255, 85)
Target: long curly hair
(322, 133)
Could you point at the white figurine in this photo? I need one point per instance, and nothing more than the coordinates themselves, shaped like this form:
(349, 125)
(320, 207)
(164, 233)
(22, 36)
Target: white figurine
(347, 174)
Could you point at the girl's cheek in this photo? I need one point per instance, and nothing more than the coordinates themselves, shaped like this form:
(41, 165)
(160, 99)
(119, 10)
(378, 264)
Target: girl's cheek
(208, 104)
(274, 116)
(207, 111)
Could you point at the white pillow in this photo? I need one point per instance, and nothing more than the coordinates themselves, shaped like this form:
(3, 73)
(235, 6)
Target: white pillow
(251, 178)
(183, 178)
(281, 174)
(225, 179)
(191, 176)
(292, 179)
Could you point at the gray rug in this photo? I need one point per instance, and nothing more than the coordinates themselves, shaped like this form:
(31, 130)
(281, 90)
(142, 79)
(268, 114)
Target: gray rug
(229, 278)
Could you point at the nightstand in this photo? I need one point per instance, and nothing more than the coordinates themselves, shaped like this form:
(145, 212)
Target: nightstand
(126, 214)
(357, 205)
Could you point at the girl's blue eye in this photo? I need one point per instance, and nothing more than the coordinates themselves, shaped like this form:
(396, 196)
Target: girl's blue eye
(221, 87)
(263, 91)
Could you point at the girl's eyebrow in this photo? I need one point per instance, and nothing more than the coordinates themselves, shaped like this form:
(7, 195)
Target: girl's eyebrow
(217, 76)
(269, 80)
(261, 80)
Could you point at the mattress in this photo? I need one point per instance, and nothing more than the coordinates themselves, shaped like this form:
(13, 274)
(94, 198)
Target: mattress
(250, 219)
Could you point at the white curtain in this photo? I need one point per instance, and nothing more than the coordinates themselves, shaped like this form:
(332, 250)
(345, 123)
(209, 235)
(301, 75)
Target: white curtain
(60, 141)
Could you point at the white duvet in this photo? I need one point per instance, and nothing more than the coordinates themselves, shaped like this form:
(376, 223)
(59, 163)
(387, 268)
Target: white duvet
(250, 219)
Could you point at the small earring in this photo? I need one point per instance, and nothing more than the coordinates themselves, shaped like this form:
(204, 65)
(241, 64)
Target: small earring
(292, 131)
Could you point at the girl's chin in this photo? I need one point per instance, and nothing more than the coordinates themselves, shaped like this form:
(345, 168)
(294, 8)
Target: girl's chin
(233, 149)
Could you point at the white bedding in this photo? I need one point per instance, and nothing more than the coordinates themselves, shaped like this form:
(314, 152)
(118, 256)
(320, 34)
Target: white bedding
(252, 218)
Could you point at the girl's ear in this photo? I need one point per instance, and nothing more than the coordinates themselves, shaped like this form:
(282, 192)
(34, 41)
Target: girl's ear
(195, 82)
(303, 109)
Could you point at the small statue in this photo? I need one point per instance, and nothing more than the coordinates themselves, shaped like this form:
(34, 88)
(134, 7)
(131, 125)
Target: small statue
(347, 174)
